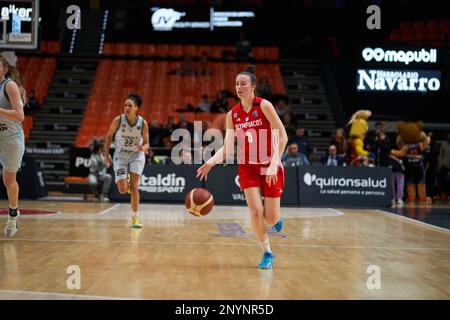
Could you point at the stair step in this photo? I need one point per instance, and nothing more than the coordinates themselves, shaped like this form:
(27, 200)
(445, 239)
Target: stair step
(68, 86)
(57, 125)
(68, 90)
(56, 118)
(58, 101)
(45, 157)
(56, 141)
(75, 75)
(53, 134)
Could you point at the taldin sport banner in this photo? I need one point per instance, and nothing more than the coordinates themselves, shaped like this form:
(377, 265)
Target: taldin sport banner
(345, 186)
(165, 183)
(223, 183)
(382, 80)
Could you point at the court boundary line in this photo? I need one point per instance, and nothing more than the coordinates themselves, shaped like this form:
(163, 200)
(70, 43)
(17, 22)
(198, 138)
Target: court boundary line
(431, 226)
(65, 295)
(109, 209)
(218, 243)
(339, 213)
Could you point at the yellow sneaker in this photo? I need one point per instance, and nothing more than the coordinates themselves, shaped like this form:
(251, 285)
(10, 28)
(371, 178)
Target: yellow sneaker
(135, 223)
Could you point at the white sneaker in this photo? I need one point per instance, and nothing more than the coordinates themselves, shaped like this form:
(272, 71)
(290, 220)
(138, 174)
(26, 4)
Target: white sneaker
(393, 204)
(12, 225)
(400, 203)
(104, 198)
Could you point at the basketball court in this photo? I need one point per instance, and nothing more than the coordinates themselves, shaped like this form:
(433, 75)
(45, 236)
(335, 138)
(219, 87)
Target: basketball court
(322, 253)
(352, 95)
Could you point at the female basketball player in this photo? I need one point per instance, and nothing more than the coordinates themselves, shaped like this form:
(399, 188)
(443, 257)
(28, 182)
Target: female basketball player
(261, 139)
(129, 132)
(12, 143)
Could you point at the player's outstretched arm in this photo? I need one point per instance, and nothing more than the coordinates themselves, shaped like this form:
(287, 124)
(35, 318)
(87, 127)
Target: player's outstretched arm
(226, 150)
(109, 137)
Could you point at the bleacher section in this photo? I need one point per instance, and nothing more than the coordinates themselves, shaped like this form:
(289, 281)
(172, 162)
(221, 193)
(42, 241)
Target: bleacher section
(178, 51)
(308, 100)
(432, 33)
(37, 73)
(163, 93)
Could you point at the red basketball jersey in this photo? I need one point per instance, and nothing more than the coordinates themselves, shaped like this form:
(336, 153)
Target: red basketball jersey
(253, 132)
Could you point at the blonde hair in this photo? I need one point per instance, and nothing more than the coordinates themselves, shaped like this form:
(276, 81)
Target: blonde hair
(13, 74)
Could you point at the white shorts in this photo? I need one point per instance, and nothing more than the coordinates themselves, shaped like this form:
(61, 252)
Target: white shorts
(122, 169)
(11, 153)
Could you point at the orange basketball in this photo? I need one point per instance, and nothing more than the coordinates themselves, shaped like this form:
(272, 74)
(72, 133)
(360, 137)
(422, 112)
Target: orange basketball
(199, 202)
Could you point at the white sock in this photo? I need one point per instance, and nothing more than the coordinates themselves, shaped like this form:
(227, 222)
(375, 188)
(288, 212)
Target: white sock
(265, 245)
(134, 214)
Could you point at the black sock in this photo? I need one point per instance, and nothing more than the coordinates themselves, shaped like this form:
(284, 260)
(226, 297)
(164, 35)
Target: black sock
(13, 212)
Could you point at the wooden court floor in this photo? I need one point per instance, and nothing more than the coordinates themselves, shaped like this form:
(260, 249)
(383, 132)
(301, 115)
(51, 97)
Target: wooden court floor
(322, 253)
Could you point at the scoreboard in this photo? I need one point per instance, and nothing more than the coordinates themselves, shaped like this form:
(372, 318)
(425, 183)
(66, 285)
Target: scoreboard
(19, 21)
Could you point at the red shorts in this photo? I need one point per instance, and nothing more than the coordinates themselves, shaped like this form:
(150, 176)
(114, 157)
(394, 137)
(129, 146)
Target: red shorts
(251, 175)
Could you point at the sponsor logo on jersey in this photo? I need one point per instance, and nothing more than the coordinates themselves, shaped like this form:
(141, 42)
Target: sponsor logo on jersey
(249, 124)
(255, 114)
(235, 115)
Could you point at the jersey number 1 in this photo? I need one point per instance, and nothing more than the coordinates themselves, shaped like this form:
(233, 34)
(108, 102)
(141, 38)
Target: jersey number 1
(250, 137)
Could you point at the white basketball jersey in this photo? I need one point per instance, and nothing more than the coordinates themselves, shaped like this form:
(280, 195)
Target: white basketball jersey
(127, 138)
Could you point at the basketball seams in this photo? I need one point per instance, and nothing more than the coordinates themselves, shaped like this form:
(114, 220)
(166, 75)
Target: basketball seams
(193, 206)
(206, 203)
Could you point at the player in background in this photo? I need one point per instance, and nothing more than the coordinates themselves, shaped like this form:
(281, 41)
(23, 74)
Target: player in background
(261, 139)
(12, 141)
(129, 132)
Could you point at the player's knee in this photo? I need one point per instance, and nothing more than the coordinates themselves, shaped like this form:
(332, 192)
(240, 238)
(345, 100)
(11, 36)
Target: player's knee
(9, 183)
(256, 212)
(122, 189)
(134, 188)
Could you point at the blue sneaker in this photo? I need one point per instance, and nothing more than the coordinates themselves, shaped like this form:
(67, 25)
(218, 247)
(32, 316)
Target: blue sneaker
(267, 261)
(279, 225)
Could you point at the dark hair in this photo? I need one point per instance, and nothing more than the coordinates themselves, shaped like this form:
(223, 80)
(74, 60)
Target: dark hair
(250, 72)
(96, 146)
(136, 99)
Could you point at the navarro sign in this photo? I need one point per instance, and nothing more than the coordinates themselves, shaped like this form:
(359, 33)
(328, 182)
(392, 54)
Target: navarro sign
(398, 80)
